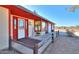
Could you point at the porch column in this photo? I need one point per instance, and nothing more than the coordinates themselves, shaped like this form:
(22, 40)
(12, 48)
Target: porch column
(4, 28)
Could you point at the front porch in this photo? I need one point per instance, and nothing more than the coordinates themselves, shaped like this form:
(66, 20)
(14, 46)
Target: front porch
(32, 45)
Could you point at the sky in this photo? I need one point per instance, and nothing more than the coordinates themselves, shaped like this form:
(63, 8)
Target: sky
(57, 13)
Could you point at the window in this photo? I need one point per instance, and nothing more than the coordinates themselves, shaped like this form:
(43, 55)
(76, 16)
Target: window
(21, 23)
(14, 23)
(37, 26)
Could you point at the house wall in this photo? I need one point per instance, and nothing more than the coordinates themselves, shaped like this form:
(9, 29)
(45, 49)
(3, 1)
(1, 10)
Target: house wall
(4, 32)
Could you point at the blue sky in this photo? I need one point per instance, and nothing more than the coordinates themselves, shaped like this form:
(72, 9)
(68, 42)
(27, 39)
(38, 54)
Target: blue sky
(57, 13)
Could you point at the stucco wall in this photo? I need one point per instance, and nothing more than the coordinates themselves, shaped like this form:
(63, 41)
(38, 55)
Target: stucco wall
(4, 37)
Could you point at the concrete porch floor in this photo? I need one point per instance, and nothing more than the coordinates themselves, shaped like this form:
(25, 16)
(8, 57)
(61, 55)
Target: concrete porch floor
(62, 45)
(6, 51)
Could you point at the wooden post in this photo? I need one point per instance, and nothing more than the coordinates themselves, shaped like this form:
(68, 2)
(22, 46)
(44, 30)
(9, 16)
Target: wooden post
(52, 37)
(35, 50)
(10, 43)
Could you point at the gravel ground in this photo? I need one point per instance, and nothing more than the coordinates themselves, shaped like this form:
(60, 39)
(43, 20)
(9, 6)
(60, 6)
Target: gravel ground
(64, 45)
